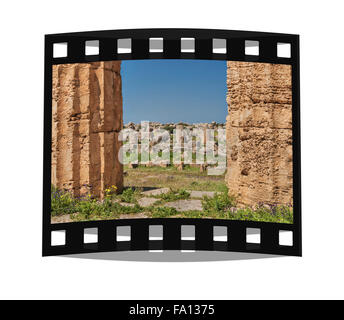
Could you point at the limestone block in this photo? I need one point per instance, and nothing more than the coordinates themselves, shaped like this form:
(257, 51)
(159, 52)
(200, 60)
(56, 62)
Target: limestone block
(259, 133)
(86, 119)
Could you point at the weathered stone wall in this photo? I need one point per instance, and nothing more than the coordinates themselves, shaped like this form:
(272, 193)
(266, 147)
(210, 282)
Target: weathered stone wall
(87, 118)
(259, 133)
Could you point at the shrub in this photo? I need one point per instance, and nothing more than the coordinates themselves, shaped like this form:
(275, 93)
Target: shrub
(279, 214)
(173, 195)
(219, 203)
(62, 202)
(93, 209)
(130, 195)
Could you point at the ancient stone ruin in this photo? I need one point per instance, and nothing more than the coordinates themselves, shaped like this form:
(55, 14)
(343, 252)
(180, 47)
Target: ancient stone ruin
(180, 135)
(88, 116)
(259, 132)
(87, 119)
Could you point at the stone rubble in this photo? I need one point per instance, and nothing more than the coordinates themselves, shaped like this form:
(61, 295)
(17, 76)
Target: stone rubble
(201, 194)
(146, 202)
(156, 192)
(185, 205)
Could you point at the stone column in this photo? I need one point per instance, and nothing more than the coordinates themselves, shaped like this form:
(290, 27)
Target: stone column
(259, 133)
(87, 118)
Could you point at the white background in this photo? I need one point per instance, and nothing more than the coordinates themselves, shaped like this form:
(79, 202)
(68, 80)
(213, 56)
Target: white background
(25, 274)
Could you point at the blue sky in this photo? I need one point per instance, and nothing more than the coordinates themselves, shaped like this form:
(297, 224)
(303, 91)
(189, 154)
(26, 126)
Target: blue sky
(174, 90)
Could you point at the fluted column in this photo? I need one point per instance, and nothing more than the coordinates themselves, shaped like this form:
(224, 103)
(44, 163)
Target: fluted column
(87, 118)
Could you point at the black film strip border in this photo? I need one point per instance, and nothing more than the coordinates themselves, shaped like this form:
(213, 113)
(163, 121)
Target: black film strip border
(235, 51)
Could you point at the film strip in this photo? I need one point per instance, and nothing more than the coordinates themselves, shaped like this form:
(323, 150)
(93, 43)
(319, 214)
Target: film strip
(172, 44)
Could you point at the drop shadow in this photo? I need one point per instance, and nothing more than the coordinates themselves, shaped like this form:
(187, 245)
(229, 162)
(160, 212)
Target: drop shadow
(172, 256)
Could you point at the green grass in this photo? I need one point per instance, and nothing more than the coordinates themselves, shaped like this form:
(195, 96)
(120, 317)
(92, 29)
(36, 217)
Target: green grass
(62, 202)
(191, 214)
(173, 195)
(169, 169)
(277, 214)
(101, 210)
(221, 206)
(88, 208)
(189, 179)
(208, 185)
(220, 203)
(162, 212)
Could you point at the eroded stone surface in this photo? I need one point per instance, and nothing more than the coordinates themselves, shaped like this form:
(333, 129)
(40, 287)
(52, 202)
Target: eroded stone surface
(259, 132)
(156, 192)
(146, 202)
(185, 205)
(201, 194)
(126, 204)
(86, 120)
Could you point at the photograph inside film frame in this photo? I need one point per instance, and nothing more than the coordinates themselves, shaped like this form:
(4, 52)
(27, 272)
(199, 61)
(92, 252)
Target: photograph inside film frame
(172, 139)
